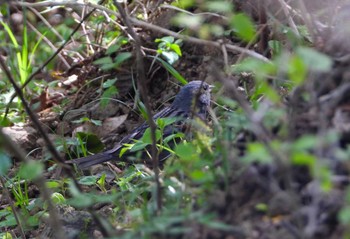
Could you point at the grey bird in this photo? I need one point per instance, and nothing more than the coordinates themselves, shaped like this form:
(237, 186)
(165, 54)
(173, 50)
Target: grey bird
(193, 100)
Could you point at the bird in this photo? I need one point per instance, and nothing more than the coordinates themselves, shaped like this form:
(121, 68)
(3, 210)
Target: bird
(192, 100)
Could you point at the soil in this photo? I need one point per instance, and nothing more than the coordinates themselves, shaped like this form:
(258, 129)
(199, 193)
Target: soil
(258, 200)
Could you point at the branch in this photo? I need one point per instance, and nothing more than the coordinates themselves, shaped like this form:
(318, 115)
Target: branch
(31, 77)
(12, 205)
(141, 80)
(40, 181)
(230, 47)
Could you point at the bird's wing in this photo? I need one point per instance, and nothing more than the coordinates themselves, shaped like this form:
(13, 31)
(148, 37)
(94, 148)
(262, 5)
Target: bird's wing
(91, 160)
(136, 134)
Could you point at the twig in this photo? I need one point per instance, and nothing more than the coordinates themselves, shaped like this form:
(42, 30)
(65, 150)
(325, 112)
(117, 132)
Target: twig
(32, 115)
(43, 19)
(225, 56)
(49, 43)
(13, 208)
(307, 18)
(229, 47)
(15, 150)
(54, 220)
(152, 27)
(72, 3)
(257, 127)
(289, 17)
(88, 46)
(167, 6)
(141, 80)
(46, 195)
(31, 77)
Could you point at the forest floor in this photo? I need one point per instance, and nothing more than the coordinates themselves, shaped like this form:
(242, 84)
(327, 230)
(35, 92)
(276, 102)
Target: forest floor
(275, 169)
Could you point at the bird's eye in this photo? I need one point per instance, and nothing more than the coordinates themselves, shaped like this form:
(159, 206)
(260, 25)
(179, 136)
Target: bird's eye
(205, 86)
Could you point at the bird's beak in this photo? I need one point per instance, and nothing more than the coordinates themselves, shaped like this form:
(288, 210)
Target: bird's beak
(211, 87)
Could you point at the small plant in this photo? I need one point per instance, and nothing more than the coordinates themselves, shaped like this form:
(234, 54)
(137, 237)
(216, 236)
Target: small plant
(21, 68)
(169, 48)
(146, 141)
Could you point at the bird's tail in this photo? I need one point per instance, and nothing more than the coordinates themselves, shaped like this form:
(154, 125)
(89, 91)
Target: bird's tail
(88, 161)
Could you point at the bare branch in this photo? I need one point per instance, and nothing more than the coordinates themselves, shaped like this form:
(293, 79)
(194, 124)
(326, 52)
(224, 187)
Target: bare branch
(141, 80)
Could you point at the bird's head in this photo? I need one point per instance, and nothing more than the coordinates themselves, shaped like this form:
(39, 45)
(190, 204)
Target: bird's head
(197, 92)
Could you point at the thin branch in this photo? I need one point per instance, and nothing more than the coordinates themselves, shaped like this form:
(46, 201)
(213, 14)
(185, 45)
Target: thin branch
(72, 3)
(230, 47)
(167, 6)
(31, 77)
(257, 127)
(308, 20)
(50, 44)
(141, 80)
(286, 12)
(13, 208)
(43, 19)
(40, 181)
(32, 115)
(46, 195)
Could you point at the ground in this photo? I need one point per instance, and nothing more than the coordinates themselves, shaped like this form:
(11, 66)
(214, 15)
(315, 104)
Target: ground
(270, 162)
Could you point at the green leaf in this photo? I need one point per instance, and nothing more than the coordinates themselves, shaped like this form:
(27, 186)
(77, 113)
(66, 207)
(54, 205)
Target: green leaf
(303, 158)
(96, 122)
(262, 207)
(146, 138)
(103, 61)
(7, 235)
(170, 57)
(344, 215)
(93, 143)
(220, 226)
(112, 49)
(121, 57)
(88, 180)
(173, 136)
(305, 142)
(244, 27)
(325, 176)
(176, 48)
(5, 121)
(52, 184)
(5, 163)
(81, 120)
(162, 122)
(219, 6)
(198, 175)
(168, 39)
(142, 109)
(139, 145)
(125, 148)
(260, 68)
(257, 152)
(107, 95)
(8, 221)
(263, 88)
(108, 83)
(297, 70)
(102, 180)
(171, 70)
(314, 60)
(185, 151)
(31, 170)
(184, 4)
(276, 47)
(58, 198)
(188, 21)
